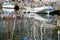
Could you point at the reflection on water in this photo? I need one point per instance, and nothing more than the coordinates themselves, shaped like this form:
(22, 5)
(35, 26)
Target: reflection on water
(14, 25)
(7, 10)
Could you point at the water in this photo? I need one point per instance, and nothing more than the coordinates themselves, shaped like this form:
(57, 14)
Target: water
(21, 27)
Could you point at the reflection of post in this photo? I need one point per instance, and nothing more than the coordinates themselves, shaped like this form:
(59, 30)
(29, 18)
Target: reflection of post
(58, 34)
(44, 33)
(13, 29)
(10, 27)
(33, 25)
(34, 30)
(41, 31)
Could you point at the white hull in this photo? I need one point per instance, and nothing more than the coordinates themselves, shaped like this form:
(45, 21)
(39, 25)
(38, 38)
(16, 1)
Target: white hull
(8, 6)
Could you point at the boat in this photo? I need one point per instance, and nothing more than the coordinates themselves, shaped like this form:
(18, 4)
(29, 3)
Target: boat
(8, 5)
(37, 9)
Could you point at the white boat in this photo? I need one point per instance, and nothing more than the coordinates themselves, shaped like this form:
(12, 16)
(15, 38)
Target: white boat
(37, 9)
(32, 11)
(7, 5)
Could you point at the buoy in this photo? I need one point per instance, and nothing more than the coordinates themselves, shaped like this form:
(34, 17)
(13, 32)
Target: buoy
(16, 7)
